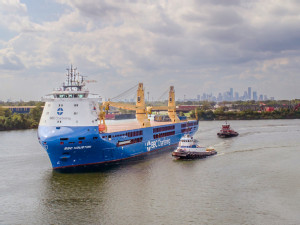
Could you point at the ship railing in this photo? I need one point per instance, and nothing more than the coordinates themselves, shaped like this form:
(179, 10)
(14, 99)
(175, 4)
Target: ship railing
(48, 97)
(94, 96)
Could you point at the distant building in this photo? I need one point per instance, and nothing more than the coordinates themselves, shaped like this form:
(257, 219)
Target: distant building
(19, 109)
(254, 95)
(269, 109)
(245, 96)
(231, 94)
(249, 93)
(236, 96)
(220, 97)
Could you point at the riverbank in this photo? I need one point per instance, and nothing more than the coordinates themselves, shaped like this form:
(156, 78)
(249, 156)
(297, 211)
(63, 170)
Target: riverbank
(9, 121)
(245, 115)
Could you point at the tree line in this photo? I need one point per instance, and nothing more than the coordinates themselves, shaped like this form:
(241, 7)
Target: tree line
(10, 121)
(220, 114)
(14, 121)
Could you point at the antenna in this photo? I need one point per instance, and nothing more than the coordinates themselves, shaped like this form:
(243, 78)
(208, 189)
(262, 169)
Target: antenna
(74, 76)
(71, 74)
(82, 78)
(68, 76)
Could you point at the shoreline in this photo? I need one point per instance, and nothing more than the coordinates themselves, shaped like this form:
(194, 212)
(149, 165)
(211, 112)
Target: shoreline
(215, 119)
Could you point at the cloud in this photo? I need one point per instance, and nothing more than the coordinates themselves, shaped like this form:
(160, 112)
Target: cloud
(122, 42)
(9, 61)
(12, 7)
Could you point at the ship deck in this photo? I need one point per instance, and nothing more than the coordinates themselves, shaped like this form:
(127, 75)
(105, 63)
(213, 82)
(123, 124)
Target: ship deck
(122, 125)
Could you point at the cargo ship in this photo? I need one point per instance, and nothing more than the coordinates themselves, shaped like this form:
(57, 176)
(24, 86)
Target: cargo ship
(73, 132)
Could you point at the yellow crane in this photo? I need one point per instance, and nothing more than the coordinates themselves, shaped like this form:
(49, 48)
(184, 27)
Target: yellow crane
(140, 108)
(171, 108)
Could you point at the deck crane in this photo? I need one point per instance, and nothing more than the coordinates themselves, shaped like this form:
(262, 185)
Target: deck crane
(171, 108)
(140, 108)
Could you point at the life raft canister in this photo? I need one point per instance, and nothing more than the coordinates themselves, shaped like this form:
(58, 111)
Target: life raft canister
(101, 127)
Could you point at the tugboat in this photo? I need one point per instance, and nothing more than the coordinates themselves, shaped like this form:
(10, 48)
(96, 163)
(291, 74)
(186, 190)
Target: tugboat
(227, 132)
(188, 149)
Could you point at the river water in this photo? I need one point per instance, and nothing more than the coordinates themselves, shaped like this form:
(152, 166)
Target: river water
(254, 179)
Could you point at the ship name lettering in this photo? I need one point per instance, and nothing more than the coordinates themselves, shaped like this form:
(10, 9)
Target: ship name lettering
(59, 118)
(158, 143)
(78, 147)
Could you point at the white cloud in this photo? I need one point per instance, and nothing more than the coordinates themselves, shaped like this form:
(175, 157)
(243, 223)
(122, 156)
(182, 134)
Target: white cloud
(158, 42)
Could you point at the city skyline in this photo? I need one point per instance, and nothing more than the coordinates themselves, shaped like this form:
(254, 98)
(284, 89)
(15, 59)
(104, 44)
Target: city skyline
(229, 95)
(191, 45)
(232, 95)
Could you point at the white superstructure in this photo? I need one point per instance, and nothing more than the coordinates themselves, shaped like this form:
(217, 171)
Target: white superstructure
(71, 105)
(189, 144)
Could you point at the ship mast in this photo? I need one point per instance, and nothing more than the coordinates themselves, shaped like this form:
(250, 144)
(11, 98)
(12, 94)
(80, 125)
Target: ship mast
(75, 82)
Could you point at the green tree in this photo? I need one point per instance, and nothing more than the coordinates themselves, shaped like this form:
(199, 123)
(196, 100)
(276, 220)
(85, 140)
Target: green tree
(35, 113)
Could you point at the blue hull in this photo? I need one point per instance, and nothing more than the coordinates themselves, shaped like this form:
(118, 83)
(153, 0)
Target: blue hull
(84, 147)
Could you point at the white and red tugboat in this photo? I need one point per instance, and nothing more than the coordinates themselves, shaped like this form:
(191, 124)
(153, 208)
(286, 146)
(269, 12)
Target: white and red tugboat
(226, 132)
(188, 149)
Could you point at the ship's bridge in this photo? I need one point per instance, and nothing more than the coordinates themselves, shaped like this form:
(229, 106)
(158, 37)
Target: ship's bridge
(70, 94)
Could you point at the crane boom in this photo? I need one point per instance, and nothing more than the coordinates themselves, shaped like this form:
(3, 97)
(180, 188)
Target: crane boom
(140, 108)
(121, 105)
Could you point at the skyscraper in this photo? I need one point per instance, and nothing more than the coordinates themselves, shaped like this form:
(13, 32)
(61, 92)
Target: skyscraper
(236, 96)
(231, 94)
(254, 95)
(249, 93)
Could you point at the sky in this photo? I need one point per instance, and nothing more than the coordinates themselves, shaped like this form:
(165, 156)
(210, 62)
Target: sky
(195, 45)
